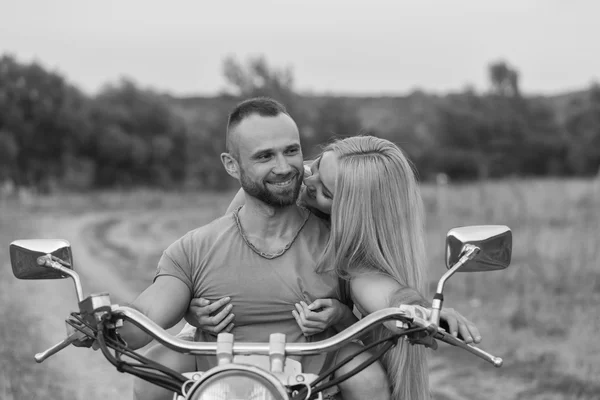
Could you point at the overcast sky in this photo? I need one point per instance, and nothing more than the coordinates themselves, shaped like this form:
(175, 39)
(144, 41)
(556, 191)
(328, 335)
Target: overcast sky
(342, 46)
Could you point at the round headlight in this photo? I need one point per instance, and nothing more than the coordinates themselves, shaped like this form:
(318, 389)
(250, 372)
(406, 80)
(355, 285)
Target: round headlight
(236, 384)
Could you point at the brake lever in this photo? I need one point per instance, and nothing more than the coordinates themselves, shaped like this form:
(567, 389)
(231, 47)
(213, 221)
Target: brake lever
(448, 338)
(71, 339)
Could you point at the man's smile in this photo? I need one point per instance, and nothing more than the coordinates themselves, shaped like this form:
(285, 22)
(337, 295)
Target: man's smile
(290, 181)
(284, 183)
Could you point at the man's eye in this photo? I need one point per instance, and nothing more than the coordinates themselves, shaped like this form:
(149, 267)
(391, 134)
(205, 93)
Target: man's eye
(292, 151)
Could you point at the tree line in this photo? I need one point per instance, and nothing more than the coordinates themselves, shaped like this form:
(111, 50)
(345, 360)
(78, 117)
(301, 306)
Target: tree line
(52, 135)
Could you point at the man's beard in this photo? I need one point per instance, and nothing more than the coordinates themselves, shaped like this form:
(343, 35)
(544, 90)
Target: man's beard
(260, 191)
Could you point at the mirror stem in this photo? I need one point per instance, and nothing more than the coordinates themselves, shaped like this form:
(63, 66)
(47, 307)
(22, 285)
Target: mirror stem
(469, 252)
(56, 263)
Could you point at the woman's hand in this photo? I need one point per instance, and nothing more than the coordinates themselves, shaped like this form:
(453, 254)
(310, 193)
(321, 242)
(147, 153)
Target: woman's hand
(319, 315)
(203, 315)
(457, 324)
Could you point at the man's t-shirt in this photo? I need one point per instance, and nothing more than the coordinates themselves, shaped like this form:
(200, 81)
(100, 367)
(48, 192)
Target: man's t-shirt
(215, 261)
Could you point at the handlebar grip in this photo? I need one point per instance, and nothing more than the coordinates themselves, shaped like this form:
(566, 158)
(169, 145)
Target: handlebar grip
(445, 337)
(40, 357)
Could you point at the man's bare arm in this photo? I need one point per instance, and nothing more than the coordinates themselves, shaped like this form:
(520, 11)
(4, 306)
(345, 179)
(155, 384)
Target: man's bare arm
(164, 302)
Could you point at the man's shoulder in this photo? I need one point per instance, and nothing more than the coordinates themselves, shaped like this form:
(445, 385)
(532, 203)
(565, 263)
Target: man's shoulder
(213, 228)
(206, 232)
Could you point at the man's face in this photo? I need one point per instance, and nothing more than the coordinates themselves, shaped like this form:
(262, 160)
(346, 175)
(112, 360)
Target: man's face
(270, 159)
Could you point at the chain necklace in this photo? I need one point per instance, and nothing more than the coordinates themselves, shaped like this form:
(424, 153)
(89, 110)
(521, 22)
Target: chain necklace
(264, 254)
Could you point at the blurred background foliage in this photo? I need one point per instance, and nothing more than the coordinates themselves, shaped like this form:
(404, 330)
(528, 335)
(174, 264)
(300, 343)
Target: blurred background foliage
(53, 136)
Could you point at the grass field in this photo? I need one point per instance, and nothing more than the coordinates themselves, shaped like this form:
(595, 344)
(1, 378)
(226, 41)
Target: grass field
(541, 315)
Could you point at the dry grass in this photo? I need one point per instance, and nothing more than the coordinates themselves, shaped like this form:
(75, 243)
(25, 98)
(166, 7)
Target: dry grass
(20, 330)
(540, 315)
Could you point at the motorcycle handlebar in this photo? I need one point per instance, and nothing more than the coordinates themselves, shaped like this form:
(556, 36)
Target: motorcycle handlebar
(298, 349)
(294, 349)
(247, 348)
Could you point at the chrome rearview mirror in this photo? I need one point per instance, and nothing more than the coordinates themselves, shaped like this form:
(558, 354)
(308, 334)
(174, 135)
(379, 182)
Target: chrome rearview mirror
(493, 241)
(473, 248)
(25, 256)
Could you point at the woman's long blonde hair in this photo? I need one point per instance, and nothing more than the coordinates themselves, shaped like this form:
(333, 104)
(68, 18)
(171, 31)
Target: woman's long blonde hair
(377, 225)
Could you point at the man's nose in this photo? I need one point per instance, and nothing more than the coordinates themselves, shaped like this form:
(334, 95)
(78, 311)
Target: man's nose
(281, 165)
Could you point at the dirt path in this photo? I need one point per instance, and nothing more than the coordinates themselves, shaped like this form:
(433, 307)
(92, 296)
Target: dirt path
(85, 372)
(104, 256)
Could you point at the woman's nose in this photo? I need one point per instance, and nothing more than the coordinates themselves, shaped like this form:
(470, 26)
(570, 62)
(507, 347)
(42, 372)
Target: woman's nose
(307, 171)
(310, 181)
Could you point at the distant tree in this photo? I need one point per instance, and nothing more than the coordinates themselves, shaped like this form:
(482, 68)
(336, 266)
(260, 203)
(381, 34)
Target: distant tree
(9, 151)
(498, 134)
(583, 132)
(504, 79)
(138, 140)
(526, 129)
(204, 167)
(544, 148)
(46, 118)
(465, 140)
(256, 78)
(335, 118)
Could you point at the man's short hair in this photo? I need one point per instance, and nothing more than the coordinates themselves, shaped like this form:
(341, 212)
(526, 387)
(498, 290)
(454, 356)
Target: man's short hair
(263, 106)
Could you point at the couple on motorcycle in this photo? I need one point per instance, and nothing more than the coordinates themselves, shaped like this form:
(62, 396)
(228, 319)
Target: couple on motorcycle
(273, 256)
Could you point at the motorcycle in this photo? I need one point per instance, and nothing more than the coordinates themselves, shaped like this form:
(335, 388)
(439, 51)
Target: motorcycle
(258, 371)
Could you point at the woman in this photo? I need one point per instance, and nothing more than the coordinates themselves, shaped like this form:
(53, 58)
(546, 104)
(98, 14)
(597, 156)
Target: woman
(377, 239)
(367, 187)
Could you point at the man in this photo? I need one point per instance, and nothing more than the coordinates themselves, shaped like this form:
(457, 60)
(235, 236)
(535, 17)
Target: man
(263, 256)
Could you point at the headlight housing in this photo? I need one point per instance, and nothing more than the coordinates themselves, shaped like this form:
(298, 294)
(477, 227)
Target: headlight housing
(236, 382)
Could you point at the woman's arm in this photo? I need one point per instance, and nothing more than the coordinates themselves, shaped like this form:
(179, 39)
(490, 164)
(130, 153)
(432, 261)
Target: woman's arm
(372, 291)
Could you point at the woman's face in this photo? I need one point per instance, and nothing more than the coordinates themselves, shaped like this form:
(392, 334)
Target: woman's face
(320, 185)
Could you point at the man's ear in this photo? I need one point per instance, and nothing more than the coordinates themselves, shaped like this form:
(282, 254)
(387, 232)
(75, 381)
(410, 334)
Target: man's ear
(231, 165)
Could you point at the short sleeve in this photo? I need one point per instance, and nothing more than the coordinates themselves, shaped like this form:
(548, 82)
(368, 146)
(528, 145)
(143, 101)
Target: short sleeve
(175, 262)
